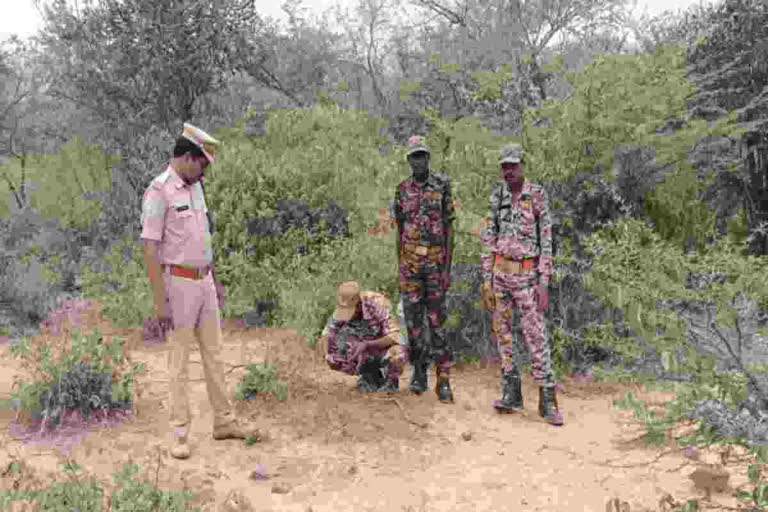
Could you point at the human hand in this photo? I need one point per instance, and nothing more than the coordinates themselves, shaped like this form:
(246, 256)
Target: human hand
(542, 296)
(488, 297)
(156, 329)
(358, 353)
(163, 314)
(221, 294)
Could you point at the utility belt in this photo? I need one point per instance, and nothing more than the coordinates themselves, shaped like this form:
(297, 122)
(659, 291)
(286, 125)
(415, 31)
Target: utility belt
(187, 272)
(412, 254)
(423, 250)
(503, 264)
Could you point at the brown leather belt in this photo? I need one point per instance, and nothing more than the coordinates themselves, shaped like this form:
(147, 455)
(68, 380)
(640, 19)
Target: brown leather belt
(508, 265)
(423, 250)
(189, 273)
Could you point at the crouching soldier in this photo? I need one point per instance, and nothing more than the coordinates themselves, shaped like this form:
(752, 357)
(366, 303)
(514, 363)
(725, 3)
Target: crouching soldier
(364, 339)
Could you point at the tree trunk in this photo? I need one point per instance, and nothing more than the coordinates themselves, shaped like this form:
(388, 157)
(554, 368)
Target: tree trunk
(756, 161)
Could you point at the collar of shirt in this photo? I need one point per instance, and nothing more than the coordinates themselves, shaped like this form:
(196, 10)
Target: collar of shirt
(524, 189)
(429, 182)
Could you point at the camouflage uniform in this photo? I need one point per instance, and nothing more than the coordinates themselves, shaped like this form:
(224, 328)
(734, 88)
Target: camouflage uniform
(513, 234)
(380, 364)
(424, 213)
(517, 256)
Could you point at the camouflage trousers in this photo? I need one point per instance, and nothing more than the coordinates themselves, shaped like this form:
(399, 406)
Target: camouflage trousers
(422, 290)
(515, 296)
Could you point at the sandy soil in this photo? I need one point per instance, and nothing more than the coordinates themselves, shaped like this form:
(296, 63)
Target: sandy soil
(331, 448)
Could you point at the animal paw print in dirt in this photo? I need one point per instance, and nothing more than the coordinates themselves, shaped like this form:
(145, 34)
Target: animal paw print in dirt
(236, 501)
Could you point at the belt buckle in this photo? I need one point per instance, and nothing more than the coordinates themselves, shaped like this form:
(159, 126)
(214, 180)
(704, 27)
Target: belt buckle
(528, 265)
(421, 250)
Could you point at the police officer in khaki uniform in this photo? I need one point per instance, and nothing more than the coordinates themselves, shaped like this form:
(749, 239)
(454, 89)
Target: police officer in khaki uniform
(179, 259)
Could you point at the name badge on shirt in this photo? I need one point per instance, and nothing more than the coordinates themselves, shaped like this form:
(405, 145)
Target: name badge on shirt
(499, 259)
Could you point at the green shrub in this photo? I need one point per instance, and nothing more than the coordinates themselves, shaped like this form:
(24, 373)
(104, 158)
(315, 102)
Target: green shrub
(131, 496)
(73, 385)
(261, 378)
(120, 283)
(143, 497)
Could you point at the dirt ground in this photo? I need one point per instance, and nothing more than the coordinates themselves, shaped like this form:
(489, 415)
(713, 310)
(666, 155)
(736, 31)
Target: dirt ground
(330, 448)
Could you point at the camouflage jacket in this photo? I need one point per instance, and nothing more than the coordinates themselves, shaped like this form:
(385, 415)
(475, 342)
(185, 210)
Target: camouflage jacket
(424, 214)
(519, 228)
(375, 323)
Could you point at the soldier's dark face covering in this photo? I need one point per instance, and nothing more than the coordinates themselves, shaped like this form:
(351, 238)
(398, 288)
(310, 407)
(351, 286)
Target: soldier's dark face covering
(512, 174)
(419, 166)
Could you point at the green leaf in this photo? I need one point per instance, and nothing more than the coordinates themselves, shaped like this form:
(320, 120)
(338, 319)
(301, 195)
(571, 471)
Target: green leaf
(762, 494)
(753, 473)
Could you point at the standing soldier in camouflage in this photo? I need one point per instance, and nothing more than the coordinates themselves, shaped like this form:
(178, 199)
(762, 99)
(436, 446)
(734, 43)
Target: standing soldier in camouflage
(423, 211)
(517, 268)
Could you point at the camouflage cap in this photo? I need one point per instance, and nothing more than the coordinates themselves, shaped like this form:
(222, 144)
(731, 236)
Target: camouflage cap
(202, 140)
(416, 144)
(512, 154)
(347, 300)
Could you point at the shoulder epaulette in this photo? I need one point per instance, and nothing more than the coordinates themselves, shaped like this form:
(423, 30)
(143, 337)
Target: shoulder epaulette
(161, 178)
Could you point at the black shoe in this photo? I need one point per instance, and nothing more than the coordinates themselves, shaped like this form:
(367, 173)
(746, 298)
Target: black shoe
(419, 380)
(366, 385)
(444, 391)
(370, 378)
(419, 370)
(392, 386)
(547, 402)
(511, 393)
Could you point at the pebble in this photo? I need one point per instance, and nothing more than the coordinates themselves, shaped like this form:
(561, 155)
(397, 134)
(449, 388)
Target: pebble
(466, 436)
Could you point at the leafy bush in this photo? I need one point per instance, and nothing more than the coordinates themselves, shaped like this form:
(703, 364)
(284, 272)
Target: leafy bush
(70, 384)
(131, 496)
(261, 378)
(120, 269)
(23, 289)
(143, 497)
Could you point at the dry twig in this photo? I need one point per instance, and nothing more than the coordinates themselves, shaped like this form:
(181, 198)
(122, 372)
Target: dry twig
(402, 409)
(655, 459)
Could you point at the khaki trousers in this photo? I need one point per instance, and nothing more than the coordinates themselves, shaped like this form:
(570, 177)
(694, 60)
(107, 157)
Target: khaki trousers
(196, 319)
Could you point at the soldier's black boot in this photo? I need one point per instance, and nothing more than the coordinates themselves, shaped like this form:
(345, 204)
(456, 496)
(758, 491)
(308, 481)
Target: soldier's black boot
(511, 393)
(370, 378)
(443, 388)
(391, 386)
(548, 405)
(418, 373)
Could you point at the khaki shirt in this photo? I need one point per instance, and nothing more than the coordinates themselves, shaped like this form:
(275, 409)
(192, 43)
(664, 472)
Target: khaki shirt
(175, 215)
